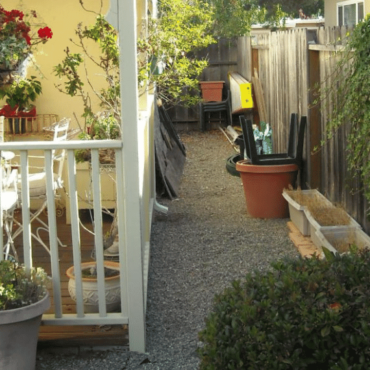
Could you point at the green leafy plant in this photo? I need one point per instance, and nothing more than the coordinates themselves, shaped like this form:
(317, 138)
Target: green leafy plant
(19, 287)
(105, 36)
(21, 93)
(168, 49)
(303, 314)
(235, 18)
(102, 126)
(346, 95)
(310, 7)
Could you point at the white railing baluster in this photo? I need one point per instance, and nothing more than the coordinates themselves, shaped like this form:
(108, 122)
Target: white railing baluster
(50, 196)
(75, 227)
(147, 194)
(98, 229)
(25, 194)
(121, 230)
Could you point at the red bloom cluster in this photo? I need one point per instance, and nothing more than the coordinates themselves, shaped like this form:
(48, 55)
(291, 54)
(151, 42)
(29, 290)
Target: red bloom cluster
(12, 15)
(45, 33)
(12, 23)
(8, 111)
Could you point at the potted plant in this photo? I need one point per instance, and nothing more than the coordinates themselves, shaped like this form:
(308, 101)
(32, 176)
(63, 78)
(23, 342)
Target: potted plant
(19, 97)
(23, 300)
(102, 126)
(17, 40)
(90, 286)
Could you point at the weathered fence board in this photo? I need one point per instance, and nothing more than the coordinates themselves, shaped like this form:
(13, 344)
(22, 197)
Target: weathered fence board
(290, 64)
(222, 58)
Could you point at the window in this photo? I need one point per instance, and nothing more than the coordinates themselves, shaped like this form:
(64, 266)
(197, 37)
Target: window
(350, 12)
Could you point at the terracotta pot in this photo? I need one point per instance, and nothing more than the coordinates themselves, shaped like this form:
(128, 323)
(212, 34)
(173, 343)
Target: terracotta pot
(211, 90)
(263, 188)
(90, 288)
(19, 330)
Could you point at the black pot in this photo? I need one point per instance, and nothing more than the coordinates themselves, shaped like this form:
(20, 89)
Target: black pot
(231, 165)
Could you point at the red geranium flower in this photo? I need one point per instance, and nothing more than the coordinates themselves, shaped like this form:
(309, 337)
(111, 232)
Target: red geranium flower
(45, 33)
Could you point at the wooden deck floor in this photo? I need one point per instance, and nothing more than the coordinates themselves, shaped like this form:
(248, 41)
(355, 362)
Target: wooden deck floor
(107, 335)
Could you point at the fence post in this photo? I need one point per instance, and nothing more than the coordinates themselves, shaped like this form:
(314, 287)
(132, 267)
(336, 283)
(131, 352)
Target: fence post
(314, 137)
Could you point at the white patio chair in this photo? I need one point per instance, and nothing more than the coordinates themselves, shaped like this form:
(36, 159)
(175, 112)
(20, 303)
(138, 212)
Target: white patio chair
(9, 195)
(37, 184)
(9, 203)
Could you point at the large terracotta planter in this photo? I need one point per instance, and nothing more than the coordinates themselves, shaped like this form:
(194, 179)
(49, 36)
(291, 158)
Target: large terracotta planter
(263, 188)
(90, 288)
(212, 90)
(19, 330)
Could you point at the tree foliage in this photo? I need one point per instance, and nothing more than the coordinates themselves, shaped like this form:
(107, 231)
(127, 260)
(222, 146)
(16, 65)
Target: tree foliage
(235, 18)
(170, 43)
(291, 7)
(347, 96)
(106, 37)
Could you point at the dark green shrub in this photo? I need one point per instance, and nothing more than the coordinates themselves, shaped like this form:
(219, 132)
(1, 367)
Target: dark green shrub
(304, 314)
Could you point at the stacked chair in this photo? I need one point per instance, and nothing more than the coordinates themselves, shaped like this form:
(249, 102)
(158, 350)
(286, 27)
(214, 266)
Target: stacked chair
(219, 106)
(295, 146)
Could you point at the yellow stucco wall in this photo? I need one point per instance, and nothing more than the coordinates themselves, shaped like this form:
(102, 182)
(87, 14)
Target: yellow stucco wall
(63, 17)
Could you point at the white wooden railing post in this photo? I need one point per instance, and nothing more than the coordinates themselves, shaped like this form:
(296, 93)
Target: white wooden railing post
(132, 215)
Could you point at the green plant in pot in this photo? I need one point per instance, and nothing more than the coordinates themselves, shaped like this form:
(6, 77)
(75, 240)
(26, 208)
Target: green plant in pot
(23, 300)
(19, 96)
(20, 32)
(90, 294)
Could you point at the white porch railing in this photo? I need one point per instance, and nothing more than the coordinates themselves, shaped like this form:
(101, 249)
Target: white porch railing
(128, 278)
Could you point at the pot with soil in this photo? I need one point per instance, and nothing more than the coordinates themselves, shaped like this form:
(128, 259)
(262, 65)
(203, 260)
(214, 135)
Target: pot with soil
(90, 286)
(323, 217)
(298, 201)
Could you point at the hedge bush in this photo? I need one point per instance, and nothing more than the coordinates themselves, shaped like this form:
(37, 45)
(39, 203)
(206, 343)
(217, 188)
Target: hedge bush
(303, 314)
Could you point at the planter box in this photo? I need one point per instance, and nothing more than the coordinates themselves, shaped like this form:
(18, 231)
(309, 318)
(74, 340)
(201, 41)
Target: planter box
(212, 90)
(338, 241)
(315, 227)
(297, 211)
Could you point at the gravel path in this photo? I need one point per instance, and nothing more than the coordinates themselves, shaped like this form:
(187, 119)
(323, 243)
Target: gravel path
(206, 241)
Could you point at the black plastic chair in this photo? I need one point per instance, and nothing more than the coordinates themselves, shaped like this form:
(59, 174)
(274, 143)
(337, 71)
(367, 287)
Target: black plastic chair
(294, 152)
(209, 107)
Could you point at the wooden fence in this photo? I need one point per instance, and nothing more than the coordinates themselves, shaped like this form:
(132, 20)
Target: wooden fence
(222, 58)
(290, 64)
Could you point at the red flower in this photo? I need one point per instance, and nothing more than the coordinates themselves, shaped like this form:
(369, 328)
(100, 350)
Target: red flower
(335, 306)
(28, 39)
(45, 33)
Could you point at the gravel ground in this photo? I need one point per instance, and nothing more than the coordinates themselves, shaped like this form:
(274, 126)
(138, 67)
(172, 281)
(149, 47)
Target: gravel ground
(206, 240)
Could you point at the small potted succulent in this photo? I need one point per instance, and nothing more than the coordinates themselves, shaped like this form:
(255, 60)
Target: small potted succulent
(19, 97)
(23, 299)
(90, 286)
